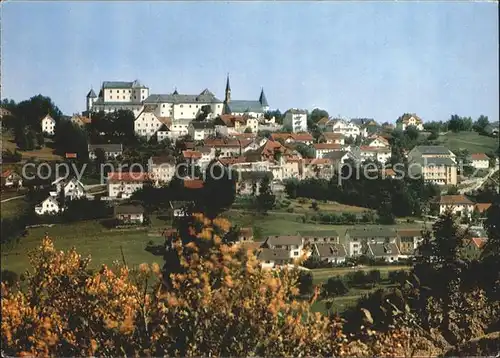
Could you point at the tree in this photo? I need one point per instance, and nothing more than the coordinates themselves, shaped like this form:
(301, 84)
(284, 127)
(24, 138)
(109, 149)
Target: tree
(384, 211)
(481, 123)
(35, 108)
(266, 199)
(70, 138)
(412, 133)
(373, 277)
(334, 287)
(305, 286)
(205, 111)
(219, 189)
(30, 140)
(452, 190)
(248, 130)
(305, 150)
(317, 114)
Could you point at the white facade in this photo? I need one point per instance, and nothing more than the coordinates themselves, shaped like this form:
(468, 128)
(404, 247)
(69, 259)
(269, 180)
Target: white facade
(146, 124)
(200, 132)
(296, 120)
(253, 124)
(379, 142)
(48, 125)
(346, 128)
(321, 149)
(460, 209)
(381, 155)
(118, 95)
(123, 185)
(412, 120)
(161, 171)
(179, 128)
(48, 206)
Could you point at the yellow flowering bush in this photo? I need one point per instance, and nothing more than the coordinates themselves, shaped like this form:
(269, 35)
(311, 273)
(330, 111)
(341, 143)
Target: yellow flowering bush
(221, 304)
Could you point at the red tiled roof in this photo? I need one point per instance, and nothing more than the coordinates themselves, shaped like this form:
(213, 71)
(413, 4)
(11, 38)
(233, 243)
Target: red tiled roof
(313, 161)
(191, 154)
(380, 138)
(327, 146)
(193, 183)
(389, 172)
(294, 136)
(127, 176)
(6, 173)
(479, 241)
(479, 156)
(228, 143)
(481, 207)
(454, 200)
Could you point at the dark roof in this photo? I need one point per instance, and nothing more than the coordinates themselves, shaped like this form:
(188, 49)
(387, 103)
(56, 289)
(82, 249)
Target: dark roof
(284, 240)
(204, 97)
(330, 250)
(106, 147)
(163, 159)
(335, 155)
(362, 121)
(432, 149)
(128, 209)
(409, 232)
(91, 94)
(255, 175)
(122, 84)
(319, 233)
(100, 101)
(371, 232)
(263, 99)
(297, 111)
(438, 161)
(379, 249)
(273, 254)
(228, 86)
(242, 106)
(202, 125)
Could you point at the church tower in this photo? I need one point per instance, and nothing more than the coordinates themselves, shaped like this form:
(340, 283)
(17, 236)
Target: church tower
(227, 99)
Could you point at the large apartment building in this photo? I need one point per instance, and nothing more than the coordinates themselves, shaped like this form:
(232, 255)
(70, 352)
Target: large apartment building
(436, 164)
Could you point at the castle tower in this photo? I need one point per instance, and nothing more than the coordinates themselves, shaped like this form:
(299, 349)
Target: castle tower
(91, 98)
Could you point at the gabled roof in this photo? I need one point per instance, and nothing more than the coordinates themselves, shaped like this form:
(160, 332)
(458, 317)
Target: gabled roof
(166, 159)
(47, 116)
(432, 149)
(284, 240)
(128, 209)
(332, 146)
(243, 106)
(380, 139)
(265, 254)
(371, 232)
(386, 249)
(329, 250)
(299, 137)
(319, 233)
(127, 176)
(193, 183)
(107, 148)
(406, 117)
(479, 156)
(202, 125)
(297, 111)
(482, 207)
(204, 97)
(333, 136)
(455, 200)
(366, 148)
(82, 119)
(479, 241)
(191, 154)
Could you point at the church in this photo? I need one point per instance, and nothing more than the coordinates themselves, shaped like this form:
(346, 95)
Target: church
(252, 108)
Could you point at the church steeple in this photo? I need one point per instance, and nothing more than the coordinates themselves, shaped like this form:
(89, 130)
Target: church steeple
(263, 99)
(228, 90)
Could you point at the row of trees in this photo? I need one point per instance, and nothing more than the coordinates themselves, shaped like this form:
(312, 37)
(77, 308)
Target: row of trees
(458, 123)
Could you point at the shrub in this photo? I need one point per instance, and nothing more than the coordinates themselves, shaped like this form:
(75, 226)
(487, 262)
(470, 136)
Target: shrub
(290, 210)
(305, 283)
(10, 278)
(334, 286)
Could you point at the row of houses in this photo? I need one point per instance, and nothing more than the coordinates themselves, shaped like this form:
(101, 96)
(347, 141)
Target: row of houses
(375, 243)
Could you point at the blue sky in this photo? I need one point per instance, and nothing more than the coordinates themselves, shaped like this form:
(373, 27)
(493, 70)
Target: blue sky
(374, 59)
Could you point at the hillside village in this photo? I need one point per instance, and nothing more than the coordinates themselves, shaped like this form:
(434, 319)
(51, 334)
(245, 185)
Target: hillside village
(268, 151)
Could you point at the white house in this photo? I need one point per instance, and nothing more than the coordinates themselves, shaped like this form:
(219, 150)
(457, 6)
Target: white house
(333, 138)
(273, 258)
(380, 154)
(129, 214)
(201, 130)
(294, 245)
(109, 150)
(330, 252)
(320, 149)
(480, 161)
(121, 185)
(458, 204)
(118, 95)
(388, 252)
(289, 138)
(147, 123)
(73, 188)
(296, 120)
(409, 119)
(11, 179)
(48, 125)
(179, 128)
(48, 206)
(185, 106)
(344, 127)
(378, 142)
(161, 169)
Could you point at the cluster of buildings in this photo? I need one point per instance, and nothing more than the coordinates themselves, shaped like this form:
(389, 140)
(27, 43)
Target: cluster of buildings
(376, 243)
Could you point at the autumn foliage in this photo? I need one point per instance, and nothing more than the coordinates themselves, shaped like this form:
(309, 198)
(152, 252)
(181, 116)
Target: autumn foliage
(221, 304)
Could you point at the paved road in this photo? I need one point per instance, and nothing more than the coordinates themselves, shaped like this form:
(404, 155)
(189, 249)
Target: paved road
(14, 197)
(478, 183)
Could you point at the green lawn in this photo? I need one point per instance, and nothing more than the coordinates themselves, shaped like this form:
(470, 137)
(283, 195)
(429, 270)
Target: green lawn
(471, 141)
(90, 238)
(12, 208)
(321, 275)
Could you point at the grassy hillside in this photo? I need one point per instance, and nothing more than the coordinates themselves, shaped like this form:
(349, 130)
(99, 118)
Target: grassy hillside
(45, 153)
(471, 141)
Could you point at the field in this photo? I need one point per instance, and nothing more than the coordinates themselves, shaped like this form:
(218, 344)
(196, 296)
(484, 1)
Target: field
(471, 141)
(13, 207)
(341, 303)
(45, 153)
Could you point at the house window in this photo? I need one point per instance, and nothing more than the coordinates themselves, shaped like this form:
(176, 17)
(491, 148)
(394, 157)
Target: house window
(111, 97)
